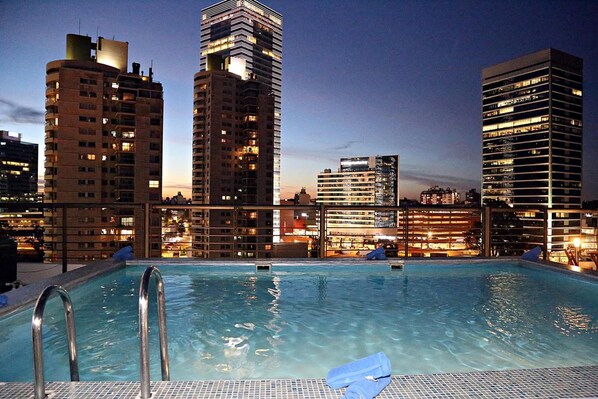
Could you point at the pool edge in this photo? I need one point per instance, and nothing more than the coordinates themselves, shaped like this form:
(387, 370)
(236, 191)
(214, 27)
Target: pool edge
(563, 382)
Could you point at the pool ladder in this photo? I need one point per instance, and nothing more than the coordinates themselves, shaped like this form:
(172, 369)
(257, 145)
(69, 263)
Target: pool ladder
(38, 318)
(143, 329)
(36, 333)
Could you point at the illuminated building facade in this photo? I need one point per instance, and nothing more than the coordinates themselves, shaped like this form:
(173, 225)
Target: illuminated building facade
(18, 168)
(18, 186)
(532, 111)
(438, 231)
(233, 164)
(248, 35)
(103, 140)
(439, 196)
(370, 180)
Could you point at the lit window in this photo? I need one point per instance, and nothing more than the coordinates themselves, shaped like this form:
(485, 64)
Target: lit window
(576, 92)
(127, 146)
(127, 221)
(115, 85)
(154, 184)
(105, 121)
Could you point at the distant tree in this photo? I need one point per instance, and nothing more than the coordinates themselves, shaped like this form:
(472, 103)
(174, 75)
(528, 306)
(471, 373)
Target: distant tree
(590, 204)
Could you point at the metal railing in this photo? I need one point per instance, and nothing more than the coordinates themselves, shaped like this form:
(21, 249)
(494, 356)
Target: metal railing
(36, 332)
(143, 330)
(79, 233)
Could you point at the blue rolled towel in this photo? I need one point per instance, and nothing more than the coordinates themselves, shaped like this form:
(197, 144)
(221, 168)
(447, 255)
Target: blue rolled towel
(533, 254)
(366, 389)
(3, 300)
(125, 253)
(373, 366)
(375, 254)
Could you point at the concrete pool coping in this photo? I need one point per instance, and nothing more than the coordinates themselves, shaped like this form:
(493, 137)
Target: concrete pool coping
(565, 382)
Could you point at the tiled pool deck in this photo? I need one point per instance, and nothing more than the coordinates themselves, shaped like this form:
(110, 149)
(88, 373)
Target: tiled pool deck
(570, 382)
(566, 382)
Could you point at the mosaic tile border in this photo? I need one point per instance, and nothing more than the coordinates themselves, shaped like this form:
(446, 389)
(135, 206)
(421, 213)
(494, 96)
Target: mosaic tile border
(549, 383)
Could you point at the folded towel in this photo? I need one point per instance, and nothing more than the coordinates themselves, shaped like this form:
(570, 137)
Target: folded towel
(533, 254)
(376, 254)
(366, 389)
(374, 366)
(125, 253)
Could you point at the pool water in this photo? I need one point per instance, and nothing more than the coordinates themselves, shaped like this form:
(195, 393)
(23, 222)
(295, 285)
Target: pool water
(299, 322)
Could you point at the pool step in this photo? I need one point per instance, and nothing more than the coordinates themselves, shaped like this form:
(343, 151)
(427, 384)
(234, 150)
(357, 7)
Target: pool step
(396, 264)
(263, 266)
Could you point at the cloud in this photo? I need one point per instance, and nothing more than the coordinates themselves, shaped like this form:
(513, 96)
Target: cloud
(431, 179)
(12, 112)
(318, 153)
(344, 146)
(170, 189)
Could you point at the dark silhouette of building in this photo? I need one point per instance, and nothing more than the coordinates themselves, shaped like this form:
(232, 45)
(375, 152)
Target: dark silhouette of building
(473, 198)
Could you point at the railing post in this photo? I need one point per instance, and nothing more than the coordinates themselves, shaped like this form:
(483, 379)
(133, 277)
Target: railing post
(406, 238)
(545, 219)
(235, 231)
(322, 231)
(64, 241)
(147, 233)
(487, 230)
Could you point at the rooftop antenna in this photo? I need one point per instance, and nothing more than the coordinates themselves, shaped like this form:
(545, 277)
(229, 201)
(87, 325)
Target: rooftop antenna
(79, 26)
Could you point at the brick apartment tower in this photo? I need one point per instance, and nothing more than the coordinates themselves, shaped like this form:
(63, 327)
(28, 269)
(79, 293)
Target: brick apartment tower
(532, 112)
(103, 139)
(233, 161)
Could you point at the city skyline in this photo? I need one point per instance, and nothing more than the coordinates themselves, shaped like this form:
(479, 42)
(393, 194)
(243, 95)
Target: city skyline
(360, 78)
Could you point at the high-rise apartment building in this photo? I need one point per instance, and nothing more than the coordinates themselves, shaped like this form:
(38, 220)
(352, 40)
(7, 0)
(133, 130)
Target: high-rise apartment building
(18, 168)
(233, 163)
(103, 145)
(532, 113)
(248, 35)
(370, 180)
(439, 196)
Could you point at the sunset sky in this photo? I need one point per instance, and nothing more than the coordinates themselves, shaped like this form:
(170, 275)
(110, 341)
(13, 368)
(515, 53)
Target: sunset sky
(359, 77)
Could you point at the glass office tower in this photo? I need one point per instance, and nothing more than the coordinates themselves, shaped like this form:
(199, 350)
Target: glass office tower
(532, 111)
(248, 35)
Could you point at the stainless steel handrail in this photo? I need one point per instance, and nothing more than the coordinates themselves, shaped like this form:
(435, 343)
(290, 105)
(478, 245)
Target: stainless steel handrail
(36, 332)
(143, 329)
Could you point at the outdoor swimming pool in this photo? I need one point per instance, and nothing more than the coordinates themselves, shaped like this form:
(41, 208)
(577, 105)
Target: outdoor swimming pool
(300, 321)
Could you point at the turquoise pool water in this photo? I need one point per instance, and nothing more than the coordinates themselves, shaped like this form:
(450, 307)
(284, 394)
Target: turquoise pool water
(299, 322)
